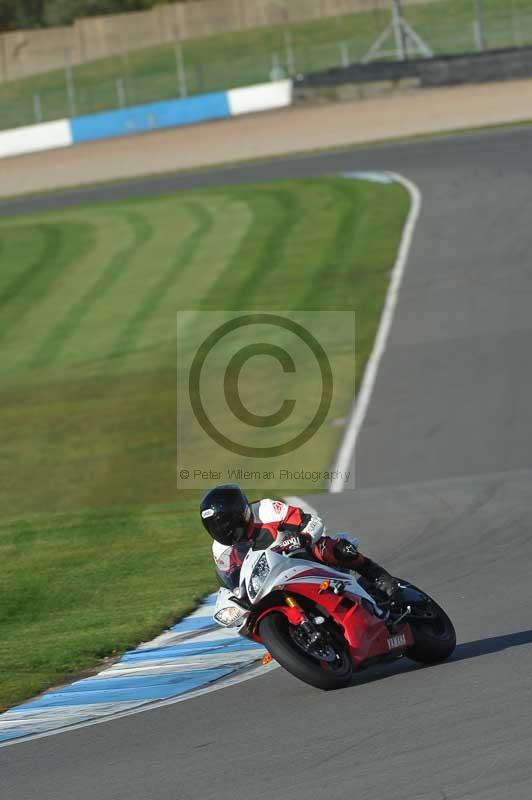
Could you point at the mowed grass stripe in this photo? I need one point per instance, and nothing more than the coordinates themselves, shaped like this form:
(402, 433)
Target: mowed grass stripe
(233, 288)
(181, 280)
(16, 272)
(313, 243)
(55, 252)
(128, 338)
(346, 230)
(109, 233)
(288, 227)
(272, 247)
(118, 264)
(215, 256)
(90, 349)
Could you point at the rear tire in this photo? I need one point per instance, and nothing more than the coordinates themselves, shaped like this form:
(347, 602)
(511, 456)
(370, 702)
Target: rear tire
(274, 630)
(434, 641)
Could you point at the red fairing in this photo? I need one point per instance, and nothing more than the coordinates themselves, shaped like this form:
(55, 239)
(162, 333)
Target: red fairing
(294, 616)
(366, 634)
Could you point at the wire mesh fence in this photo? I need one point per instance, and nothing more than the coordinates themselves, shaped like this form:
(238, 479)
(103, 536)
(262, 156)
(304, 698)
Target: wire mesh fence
(180, 69)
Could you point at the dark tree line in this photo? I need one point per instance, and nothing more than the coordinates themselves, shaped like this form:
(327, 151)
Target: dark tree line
(41, 13)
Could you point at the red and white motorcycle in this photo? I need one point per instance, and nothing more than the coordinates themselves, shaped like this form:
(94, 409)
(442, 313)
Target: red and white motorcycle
(321, 624)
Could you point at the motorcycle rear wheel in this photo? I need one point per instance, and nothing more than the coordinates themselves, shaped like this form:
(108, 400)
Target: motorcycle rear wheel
(274, 630)
(434, 640)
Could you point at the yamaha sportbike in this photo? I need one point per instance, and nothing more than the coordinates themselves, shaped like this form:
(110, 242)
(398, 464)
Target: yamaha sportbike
(322, 624)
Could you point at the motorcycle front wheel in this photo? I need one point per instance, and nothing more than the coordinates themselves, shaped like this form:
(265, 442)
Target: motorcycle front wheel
(324, 664)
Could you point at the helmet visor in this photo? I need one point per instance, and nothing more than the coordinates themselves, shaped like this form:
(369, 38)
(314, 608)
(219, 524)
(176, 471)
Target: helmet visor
(227, 528)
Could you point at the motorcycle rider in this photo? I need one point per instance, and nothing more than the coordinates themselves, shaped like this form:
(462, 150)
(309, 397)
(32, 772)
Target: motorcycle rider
(236, 526)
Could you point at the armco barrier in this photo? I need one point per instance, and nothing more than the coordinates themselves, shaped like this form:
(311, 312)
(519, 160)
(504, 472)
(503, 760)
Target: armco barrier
(140, 119)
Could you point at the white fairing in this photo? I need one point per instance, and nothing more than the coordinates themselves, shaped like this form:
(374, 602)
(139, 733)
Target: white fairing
(221, 554)
(276, 570)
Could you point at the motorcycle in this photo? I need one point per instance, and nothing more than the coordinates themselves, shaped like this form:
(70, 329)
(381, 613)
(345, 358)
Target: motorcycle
(322, 624)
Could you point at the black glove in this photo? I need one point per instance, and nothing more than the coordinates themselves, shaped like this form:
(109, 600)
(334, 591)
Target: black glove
(345, 551)
(387, 584)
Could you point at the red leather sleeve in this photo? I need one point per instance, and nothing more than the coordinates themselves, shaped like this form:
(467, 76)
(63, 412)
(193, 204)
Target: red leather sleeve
(294, 518)
(323, 550)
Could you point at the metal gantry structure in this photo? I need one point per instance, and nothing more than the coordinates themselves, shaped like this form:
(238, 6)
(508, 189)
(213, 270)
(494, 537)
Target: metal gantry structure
(407, 42)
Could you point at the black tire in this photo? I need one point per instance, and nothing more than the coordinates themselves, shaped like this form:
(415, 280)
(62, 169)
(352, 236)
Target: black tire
(274, 630)
(434, 640)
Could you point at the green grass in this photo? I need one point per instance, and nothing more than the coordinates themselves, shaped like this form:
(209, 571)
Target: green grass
(79, 587)
(98, 549)
(224, 61)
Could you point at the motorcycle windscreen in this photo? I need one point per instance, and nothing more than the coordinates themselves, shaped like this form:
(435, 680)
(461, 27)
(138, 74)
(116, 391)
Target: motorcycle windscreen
(228, 562)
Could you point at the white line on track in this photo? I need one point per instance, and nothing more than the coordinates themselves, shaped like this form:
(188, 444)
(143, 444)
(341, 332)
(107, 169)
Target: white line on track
(346, 451)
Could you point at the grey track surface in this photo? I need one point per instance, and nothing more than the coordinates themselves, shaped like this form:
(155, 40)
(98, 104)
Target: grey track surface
(445, 468)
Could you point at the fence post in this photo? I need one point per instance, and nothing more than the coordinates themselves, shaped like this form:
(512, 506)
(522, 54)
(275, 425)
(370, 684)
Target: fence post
(120, 93)
(37, 107)
(345, 60)
(290, 60)
(129, 85)
(516, 28)
(70, 87)
(180, 70)
(478, 27)
(276, 72)
(3, 58)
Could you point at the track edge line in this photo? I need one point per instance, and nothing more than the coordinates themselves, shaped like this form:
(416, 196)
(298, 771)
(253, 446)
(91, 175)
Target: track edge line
(361, 402)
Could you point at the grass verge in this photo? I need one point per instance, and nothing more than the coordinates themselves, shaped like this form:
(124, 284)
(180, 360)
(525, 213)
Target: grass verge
(97, 553)
(80, 587)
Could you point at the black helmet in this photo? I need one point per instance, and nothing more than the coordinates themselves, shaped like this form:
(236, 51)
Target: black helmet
(225, 513)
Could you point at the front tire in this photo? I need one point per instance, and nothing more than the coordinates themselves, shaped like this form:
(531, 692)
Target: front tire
(278, 636)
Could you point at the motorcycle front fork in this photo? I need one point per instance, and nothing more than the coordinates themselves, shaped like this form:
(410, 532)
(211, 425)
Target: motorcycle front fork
(305, 624)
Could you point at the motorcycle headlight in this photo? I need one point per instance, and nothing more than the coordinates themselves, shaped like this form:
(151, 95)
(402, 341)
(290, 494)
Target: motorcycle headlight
(261, 570)
(229, 616)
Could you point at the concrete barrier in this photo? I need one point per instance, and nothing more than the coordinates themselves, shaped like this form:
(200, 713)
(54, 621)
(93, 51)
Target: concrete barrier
(31, 138)
(140, 119)
(261, 97)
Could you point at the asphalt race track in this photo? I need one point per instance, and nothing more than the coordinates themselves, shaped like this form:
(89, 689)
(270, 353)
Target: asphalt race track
(444, 466)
